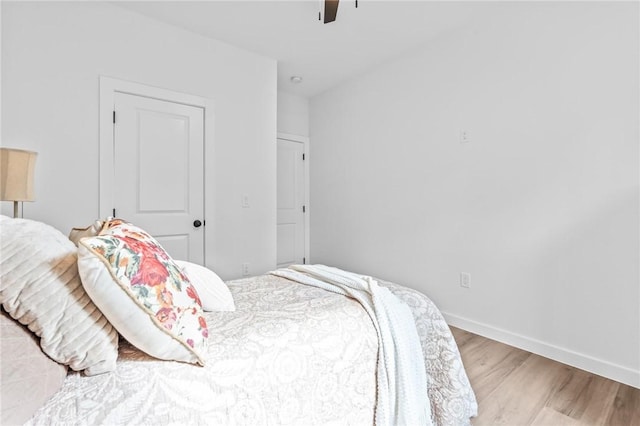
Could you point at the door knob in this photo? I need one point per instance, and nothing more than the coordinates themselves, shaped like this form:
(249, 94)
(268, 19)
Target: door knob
(197, 223)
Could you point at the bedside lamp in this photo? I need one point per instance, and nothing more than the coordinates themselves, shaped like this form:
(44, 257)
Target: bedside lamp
(16, 176)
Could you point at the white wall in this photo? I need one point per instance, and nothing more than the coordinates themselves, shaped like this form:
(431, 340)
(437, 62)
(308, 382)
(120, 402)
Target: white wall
(541, 207)
(293, 114)
(52, 57)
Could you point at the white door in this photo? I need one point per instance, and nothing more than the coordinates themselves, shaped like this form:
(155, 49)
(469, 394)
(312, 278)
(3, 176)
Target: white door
(159, 171)
(291, 208)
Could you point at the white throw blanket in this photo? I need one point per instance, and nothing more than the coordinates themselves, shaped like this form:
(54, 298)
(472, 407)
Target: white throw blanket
(401, 378)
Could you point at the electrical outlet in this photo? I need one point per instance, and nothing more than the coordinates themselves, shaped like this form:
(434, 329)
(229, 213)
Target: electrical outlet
(245, 201)
(245, 269)
(465, 279)
(464, 136)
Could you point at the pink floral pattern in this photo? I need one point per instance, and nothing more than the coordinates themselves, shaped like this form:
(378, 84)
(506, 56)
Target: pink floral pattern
(145, 270)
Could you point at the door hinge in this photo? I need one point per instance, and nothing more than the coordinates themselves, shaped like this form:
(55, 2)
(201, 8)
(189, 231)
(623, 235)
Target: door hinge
(114, 212)
(303, 157)
(304, 209)
(114, 117)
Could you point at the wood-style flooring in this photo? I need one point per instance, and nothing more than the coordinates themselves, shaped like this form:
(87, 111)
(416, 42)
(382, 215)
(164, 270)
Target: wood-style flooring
(515, 387)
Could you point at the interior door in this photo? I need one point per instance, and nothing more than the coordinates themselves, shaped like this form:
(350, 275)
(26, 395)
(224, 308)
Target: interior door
(291, 208)
(159, 171)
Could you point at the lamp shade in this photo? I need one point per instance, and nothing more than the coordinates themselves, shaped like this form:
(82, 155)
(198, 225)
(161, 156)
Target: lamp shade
(16, 174)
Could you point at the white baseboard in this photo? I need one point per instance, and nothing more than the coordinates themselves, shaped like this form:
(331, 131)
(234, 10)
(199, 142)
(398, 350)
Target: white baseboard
(597, 366)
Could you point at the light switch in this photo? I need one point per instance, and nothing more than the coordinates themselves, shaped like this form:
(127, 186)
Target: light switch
(465, 279)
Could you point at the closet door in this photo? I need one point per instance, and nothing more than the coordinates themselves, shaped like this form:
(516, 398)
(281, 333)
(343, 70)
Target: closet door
(291, 208)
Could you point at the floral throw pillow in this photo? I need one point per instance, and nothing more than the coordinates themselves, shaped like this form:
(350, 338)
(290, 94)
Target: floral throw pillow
(143, 293)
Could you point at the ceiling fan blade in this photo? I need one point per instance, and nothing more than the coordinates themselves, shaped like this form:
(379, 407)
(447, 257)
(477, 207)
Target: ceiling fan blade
(330, 10)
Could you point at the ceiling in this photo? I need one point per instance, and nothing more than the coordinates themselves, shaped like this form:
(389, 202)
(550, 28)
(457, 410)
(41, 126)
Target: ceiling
(324, 55)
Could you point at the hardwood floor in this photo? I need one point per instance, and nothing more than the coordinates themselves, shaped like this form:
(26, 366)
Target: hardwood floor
(515, 387)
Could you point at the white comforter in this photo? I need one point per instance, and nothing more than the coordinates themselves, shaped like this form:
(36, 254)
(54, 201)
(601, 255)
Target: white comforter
(401, 380)
(289, 355)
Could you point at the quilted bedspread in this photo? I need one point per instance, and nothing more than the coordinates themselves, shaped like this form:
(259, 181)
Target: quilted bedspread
(289, 355)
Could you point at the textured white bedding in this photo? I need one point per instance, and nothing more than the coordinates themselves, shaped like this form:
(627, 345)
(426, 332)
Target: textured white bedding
(401, 381)
(289, 355)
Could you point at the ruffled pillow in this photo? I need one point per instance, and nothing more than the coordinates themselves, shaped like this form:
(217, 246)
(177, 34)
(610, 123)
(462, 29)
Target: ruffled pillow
(143, 293)
(92, 230)
(41, 288)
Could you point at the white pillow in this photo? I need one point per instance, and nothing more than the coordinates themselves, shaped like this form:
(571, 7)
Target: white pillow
(214, 293)
(40, 287)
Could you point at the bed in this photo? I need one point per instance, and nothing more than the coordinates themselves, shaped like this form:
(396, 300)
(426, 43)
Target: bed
(290, 354)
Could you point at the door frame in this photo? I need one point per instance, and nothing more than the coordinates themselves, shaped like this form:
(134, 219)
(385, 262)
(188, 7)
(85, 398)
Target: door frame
(305, 165)
(109, 86)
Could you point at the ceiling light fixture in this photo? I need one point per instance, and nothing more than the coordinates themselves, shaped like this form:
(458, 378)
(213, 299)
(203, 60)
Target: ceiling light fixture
(296, 79)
